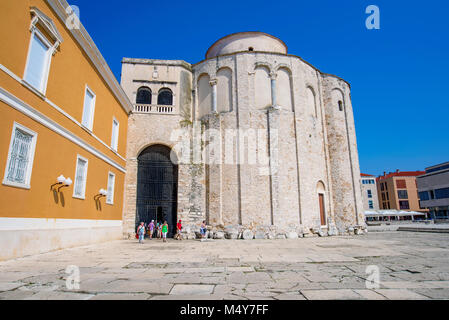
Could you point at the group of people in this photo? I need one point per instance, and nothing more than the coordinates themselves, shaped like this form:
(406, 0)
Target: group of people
(161, 230)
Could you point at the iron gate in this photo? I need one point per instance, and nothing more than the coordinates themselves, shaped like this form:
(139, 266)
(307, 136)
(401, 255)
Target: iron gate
(157, 181)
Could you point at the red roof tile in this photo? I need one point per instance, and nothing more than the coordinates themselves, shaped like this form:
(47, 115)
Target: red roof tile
(366, 175)
(402, 174)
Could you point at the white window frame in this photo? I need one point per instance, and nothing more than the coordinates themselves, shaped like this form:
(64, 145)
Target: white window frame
(114, 144)
(83, 195)
(46, 69)
(29, 168)
(90, 124)
(111, 200)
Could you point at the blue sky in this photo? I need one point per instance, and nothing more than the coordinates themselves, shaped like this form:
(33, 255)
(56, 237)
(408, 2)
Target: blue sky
(398, 74)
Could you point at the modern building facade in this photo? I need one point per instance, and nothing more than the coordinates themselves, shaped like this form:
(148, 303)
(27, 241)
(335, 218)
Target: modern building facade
(369, 192)
(63, 130)
(248, 97)
(397, 190)
(433, 189)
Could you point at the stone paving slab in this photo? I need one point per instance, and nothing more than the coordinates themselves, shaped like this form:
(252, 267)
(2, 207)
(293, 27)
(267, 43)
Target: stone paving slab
(400, 294)
(333, 294)
(121, 296)
(188, 290)
(411, 265)
(52, 295)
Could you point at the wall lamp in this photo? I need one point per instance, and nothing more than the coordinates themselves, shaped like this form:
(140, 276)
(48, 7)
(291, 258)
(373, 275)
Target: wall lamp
(64, 182)
(101, 193)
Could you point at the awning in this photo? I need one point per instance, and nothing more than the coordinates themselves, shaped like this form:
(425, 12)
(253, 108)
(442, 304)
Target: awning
(392, 213)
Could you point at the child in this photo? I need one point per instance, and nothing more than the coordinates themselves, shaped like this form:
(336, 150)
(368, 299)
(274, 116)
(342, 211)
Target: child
(151, 229)
(141, 232)
(159, 230)
(164, 231)
(178, 230)
(203, 229)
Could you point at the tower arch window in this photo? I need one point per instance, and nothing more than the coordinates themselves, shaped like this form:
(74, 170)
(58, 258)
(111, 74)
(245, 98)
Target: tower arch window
(143, 95)
(165, 97)
(340, 105)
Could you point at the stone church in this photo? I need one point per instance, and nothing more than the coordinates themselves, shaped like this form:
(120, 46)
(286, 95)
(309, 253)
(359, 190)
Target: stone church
(252, 139)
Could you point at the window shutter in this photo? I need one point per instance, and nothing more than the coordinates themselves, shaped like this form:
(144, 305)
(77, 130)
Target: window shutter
(111, 182)
(80, 177)
(18, 165)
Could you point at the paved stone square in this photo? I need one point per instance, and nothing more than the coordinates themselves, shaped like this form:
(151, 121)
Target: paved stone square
(412, 265)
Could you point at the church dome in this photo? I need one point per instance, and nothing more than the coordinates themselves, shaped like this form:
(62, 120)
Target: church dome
(246, 41)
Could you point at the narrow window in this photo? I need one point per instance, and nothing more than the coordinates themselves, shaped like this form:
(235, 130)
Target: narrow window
(111, 182)
(20, 157)
(114, 138)
(340, 105)
(370, 195)
(370, 204)
(165, 97)
(79, 189)
(38, 63)
(89, 108)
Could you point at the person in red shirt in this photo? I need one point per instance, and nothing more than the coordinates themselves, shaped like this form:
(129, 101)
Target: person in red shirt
(178, 230)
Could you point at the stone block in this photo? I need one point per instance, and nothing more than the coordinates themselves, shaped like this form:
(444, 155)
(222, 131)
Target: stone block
(231, 233)
(219, 235)
(247, 235)
(260, 235)
(292, 235)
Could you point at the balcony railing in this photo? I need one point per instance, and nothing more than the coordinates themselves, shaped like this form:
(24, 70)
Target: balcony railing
(152, 108)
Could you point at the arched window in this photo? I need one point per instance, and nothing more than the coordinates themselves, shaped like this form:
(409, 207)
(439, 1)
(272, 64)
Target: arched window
(143, 95)
(340, 105)
(165, 97)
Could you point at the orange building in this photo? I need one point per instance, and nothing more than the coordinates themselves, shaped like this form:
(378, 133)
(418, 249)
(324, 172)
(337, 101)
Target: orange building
(63, 132)
(398, 190)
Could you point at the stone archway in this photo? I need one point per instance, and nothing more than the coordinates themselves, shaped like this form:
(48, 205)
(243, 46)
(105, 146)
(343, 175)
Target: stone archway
(157, 186)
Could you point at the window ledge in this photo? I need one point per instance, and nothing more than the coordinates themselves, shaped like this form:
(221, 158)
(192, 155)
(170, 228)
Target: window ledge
(16, 184)
(89, 131)
(33, 89)
(79, 197)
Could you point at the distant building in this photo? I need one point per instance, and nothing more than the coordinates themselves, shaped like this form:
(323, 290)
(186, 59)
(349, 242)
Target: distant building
(433, 188)
(369, 192)
(397, 190)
